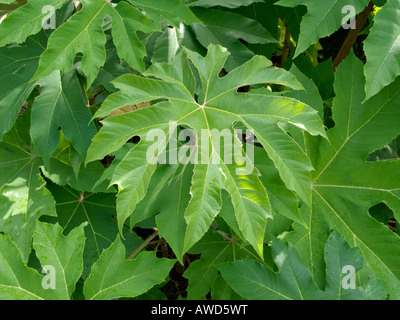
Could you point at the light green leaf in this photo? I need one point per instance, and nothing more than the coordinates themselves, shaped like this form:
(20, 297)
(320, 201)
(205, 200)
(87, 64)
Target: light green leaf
(83, 33)
(60, 257)
(282, 200)
(132, 175)
(382, 49)
(166, 46)
(23, 195)
(113, 276)
(64, 254)
(172, 203)
(255, 281)
(17, 281)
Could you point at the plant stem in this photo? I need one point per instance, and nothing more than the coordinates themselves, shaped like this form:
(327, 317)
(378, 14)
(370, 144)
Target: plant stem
(144, 244)
(353, 34)
(286, 45)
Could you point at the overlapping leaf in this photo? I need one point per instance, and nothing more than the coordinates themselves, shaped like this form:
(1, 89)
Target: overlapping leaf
(95, 210)
(61, 105)
(62, 254)
(113, 277)
(83, 33)
(173, 11)
(23, 194)
(215, 250)
(254, 280)
(226, 28)
(17, 64)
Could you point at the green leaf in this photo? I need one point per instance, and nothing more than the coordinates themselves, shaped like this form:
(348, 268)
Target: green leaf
(65, 169)
(132, 175)
(17, 65)
(113, 276)
(83, 33)
(95, 210)
(223, 3)
(226, 28)
(23, 194)
(214, 250)
(220, 290)
(26, 20)
(282, 200)
(173, 11)
(172, 203)
(382, 49)
(309, 95)
(212, 115)
(60, 104)
(64, 254)
(166, 46)
(17, 281)
(345, 186)
(255, 281)
(55, 252)
(321, 20)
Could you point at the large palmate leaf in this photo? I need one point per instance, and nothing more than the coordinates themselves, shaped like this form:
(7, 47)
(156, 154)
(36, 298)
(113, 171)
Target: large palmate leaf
(322, 19)
(113, 276)
(382, 49)
(254, 280)
(345, 186)
(217, 108)
(83, 33)
(61, 258)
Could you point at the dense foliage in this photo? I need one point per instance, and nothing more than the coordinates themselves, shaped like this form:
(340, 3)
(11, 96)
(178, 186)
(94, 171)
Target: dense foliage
(114, 182)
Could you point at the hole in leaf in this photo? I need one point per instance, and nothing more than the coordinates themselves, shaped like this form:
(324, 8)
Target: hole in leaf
(135, 140)
(382, 213)
(387, 153)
